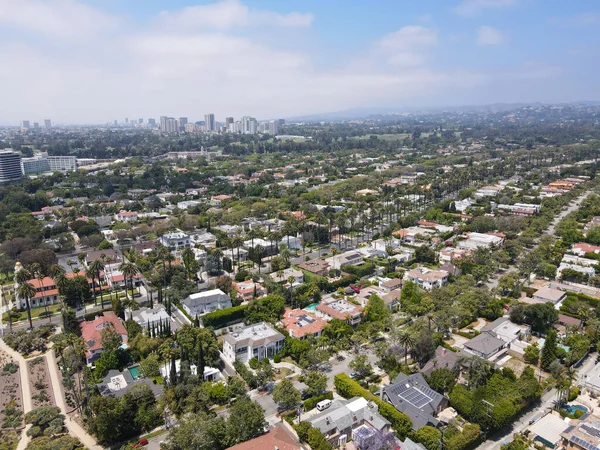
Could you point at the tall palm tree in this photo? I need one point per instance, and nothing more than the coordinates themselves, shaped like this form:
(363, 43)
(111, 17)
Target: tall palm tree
(237, 242)
(408, 341)
(129, 271)
(258, 252)
(187, 256)
(27, 291)
(94, 271)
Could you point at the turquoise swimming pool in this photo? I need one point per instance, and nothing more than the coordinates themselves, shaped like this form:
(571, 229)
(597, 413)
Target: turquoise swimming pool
(134, 371)
(572, 408)
(311, 307)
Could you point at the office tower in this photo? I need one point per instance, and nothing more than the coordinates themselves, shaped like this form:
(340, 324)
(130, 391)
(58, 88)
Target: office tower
(168, 125)
(253, 126)
(263, 127)
(10, 166)
(126, 121)
(209, 122)
(47, 124)
(62, 163)
(182, 122)
(115, 124)
(140, 121)
(36, 125)
(281, 122)
(25, 125)
(274, 127)
(228, 122)
(152, 122)
(163, 123)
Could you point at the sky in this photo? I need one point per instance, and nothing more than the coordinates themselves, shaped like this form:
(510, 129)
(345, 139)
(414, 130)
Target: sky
(95, 61)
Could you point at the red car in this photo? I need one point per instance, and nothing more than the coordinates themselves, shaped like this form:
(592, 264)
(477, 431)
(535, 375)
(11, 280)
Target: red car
(141, 443)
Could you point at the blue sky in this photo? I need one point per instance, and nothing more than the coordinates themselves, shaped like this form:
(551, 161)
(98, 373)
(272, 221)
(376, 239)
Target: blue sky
(93, 61)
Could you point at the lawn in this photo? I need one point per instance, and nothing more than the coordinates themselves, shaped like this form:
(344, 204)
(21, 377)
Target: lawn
(35, 313)
(386, 137)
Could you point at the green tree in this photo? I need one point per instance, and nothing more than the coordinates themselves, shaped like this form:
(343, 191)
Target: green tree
(316, 382)
(150, 366)
(532, 353)
(429, 436)
(376, 311)
(441, 380)
(361, 365)
(286, 395)
(549, 351)
(246, 421)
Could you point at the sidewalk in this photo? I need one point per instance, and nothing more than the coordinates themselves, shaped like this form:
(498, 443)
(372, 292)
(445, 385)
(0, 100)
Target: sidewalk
(25, 391)
(74, 428)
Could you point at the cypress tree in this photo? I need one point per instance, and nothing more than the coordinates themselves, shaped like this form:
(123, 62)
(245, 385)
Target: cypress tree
(549, 350)
(173, 373)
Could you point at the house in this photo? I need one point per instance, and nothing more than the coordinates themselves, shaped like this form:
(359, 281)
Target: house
(247, 290)
(46, 292)
(443, 359)
(91, 332)
(278, 437)
(582, 433)
(332, 308)
(582, 248)
(216, 200)
(411, 395)
(344, 417)
(391, 284)
(301, 324)
(584, 270)
(117, 384)
(450, 254)
(481, 240)
(205, 238)
(551, 295)
(210, 373)
(365, 294)
(392, 299)
(126, 216)
(175, 241)
(451, 269)
(297, 275)
(548, 430)
(144, 247)
(254, 341)
(427, 278)
(146, 317)
(502, 328)
(316, 267)
(205, 302)
(485, 346)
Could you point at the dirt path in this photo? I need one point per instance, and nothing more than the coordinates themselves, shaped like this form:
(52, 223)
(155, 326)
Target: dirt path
(25, 390)
(74, 428)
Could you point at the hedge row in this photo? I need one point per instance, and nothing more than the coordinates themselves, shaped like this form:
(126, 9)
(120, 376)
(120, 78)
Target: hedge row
(92, 316)
(360, 271)
(222, 317)
(349, 388)
(343, 282)
(312, 402)
(246, 375)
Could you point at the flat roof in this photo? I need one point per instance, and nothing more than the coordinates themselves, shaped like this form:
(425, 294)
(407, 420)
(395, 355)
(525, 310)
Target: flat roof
(549, 428)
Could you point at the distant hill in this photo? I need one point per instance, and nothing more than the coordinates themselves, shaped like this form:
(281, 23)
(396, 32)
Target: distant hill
(365, 112)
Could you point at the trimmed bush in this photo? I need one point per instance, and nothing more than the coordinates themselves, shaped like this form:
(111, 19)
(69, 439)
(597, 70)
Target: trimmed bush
(312, 402)
(222, 317)
(359, 271)
(573, 393)
(276, 359)
(91, 316)
(349, 388)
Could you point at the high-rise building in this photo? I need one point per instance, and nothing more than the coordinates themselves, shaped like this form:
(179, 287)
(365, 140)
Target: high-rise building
(115, 123)
(274, 127)
(168, 125)
(10, 166)
(152, 122)
(281, 122)
(126, 121)
(36, 125)
(182, 122)
(140, 121)
(209, 122)
(228, 122)
(25, 125)
(163, 123)
(47, 124)
(249, 125)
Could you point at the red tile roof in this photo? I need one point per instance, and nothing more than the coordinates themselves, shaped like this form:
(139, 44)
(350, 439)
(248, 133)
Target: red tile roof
(91, 332)
(277, 437)
(292, 317)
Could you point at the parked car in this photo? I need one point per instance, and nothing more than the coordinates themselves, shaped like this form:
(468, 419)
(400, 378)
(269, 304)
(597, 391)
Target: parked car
(141, 443)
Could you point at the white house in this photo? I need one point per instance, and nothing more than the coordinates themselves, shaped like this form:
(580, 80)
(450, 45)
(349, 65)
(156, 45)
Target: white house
(254, 341)
(176, 240)
(427, 278)
(145, 317)
(478, 240)
(126, 216)
(205, 302)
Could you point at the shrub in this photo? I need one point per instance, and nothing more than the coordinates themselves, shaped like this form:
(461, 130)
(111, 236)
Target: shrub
(91, 316)
(312, 402)
(359, 271)
(349, 388)
(222, 317)
(254, 363)
(573, 393)
(276, 359)
(246, 375)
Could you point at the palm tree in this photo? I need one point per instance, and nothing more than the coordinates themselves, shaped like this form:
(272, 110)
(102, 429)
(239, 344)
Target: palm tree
(408, 341)
(94, 271)
(237, 242)
(258, 252)
(285, 254)
(187, 256)
(27, 291)
(129, 271)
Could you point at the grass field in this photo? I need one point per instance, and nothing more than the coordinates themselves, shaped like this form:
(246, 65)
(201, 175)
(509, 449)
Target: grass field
(35, 313)
(385, 137)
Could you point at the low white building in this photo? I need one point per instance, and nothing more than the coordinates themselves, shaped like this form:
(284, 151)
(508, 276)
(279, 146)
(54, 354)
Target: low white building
(298, 276)
(426, 278)
(210, 373)
(145, 317)
(175, 241)
(479, 240)
(205, 302)
(254, 341)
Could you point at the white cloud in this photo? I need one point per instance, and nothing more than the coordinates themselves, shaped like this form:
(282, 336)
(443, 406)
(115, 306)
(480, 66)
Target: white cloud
(473, 7)
(189, 61)
(228, 14)
(489, 36)
(406, 47)
(55, 18)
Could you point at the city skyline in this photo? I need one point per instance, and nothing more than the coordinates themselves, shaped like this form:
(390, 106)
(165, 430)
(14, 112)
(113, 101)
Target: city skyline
(103, 60)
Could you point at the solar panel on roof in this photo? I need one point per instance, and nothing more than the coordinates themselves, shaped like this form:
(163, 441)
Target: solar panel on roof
(583, 443)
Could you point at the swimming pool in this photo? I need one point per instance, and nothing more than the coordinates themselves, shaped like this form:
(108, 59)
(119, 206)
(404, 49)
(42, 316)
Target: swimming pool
(134, 371)
(572, 408)
(311, 307)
